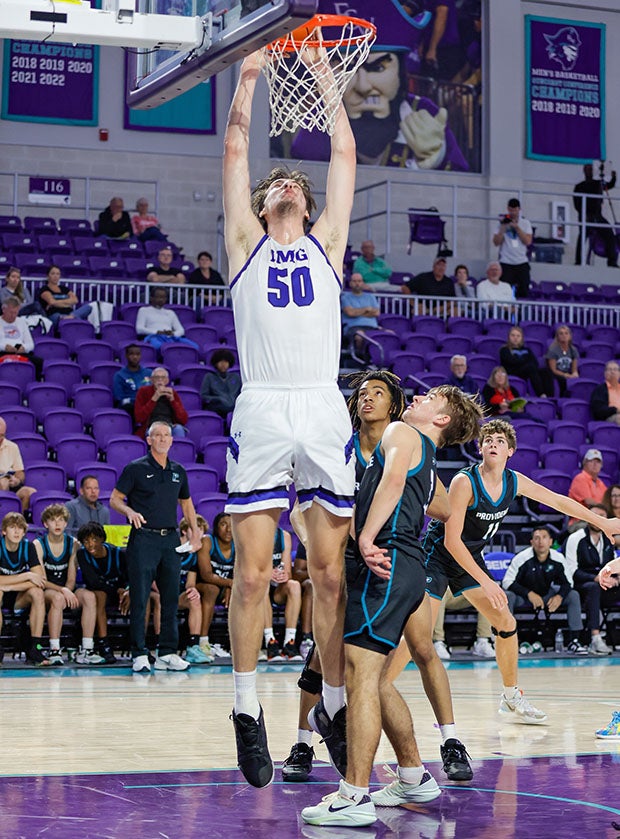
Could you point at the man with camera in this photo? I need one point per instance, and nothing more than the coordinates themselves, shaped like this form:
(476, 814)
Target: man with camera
(593, 187)
(513, 237)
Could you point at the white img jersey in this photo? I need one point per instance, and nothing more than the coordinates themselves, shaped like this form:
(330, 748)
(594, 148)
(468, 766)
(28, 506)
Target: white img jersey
(286, 301)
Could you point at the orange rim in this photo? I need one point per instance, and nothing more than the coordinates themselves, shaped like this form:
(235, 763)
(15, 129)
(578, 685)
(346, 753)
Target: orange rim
(290, 44)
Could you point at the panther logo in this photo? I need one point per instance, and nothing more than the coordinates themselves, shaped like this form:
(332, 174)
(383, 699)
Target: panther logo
(563, 47)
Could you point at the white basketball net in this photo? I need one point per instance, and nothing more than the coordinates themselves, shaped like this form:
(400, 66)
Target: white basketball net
(306, 84)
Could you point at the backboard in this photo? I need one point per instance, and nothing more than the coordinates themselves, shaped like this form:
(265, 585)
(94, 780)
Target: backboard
(232, 29)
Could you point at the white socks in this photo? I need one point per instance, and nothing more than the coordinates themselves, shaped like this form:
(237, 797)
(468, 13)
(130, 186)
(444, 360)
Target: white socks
(246, 699)
(333, 699)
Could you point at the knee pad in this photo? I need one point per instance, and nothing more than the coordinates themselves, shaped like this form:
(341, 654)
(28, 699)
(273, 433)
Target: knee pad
(503, 634)
(310, 680)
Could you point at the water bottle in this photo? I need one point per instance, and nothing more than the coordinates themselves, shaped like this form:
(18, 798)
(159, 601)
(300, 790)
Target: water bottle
(559, 641)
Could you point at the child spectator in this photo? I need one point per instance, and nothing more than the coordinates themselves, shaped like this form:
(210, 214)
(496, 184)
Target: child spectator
(220, 388)
(104, 572)
(190, 598)
(129, 379)
(283, 591)
(216, 560)
(22, 582)
(57, 553)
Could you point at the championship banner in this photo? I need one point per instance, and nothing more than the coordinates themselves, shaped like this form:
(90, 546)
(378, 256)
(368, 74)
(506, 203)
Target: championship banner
(565, 90)
(55, 83)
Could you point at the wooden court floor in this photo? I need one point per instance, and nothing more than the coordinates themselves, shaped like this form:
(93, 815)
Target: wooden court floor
(73, 738)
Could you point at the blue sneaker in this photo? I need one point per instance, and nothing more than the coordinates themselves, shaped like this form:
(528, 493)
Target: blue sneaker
(611, 731)
(196, 656)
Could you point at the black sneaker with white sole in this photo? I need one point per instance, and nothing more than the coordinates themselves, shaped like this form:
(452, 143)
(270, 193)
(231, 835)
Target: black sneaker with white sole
(455, 759)
(298, 765)
(253, 755)
(333, 733)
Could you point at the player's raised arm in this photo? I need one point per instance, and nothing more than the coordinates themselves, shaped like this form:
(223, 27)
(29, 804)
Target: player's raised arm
(563, 504)
(242, 229)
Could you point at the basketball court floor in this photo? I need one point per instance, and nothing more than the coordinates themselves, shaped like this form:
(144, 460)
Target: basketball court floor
(99, 754)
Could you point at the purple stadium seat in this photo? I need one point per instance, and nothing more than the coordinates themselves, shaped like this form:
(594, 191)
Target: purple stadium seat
(555, 480)
(464, 326)
(110, 423)
(75, 331)
(32, 265)
(455, 344)
(439, 363)
(575, 410)
(204, 424)
(66, 373)
(230, 338)
(62, 422)
(18, 419)
(603, 433)
(406, 363)
(429, 324)
(118, 333)
(521, 385)
(73, 450)
(420, 343)
(184, 450)
(550, 290)
(72, 266)
(202, 480)
(214, 451)
(489, 345)
(580, 388)
(128, 312)
(381, 346)
(218, 316)
(20, 243)
(124, 448)
(580, 334)
(604, 334)
(202, 334)
(42, 396)
(525, 459)
(42, 499)
(397, 323)
(175, 357)
(210, 505)
(192, 376)
(559, 457)
(93, 352)
(19, 373)
(543, 409)
(55, 245)
(75, 226)
(103, 374)
(137, 267)
(46, 476)
(32, 447)
(190, 398)
(10, 224)
(126, 247)
(530, 433)
(481, 365)
(10, 394)
(567, 433)
(186, 314)
(38, 224)
(598, 351)
(108, 267)
(104, 472)
(430, 380)
(89, 399)
(592, 368)
(9, 503)
(540, 331)
(496, 328)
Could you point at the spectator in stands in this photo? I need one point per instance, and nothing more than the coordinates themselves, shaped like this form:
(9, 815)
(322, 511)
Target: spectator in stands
(360, 309)
(15, 337)
(562, 357)
(536, 579)
(594, 187)
(216, 561)
(483, 646)
(463, 286)
(114, 221)
(104, 571)
(284, 590)
(459, 377)
(513, 237)
(374, 270)
(190, 599)
(587, 551)
(57, 553)
(87, 507)
(145, 225)
(586, 487)
(58, 301)
(611, 500)
(163, 272)
(158, 325)
(492, 290)
(519, 360)
(605, 398)
(433, 283)
(205, 274)
(129, 379)
(12, 474)
(498, 393)
(22, 582)
(158, 402)
(14, 287)
(300, 573)
(220, 387)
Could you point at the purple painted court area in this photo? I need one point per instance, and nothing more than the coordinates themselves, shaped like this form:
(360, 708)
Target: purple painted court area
(544, 796)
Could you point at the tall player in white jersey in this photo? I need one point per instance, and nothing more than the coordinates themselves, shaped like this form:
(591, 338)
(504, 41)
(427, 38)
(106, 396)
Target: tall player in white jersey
(290, 423)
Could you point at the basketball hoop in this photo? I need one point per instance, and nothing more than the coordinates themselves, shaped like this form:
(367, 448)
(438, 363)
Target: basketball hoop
(309, 69)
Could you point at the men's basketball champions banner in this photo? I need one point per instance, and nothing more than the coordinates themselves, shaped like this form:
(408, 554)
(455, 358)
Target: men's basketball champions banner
(565, 87)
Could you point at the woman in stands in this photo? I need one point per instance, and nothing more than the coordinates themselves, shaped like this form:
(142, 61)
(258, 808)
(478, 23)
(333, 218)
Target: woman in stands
(145, 225)
(59, 301)
(14, 287)
(519, 360)
(498, 393)
(562, 357)
(463, 285)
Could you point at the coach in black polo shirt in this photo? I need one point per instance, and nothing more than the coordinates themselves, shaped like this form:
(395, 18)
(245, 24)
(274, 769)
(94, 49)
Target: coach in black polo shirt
(153, 486)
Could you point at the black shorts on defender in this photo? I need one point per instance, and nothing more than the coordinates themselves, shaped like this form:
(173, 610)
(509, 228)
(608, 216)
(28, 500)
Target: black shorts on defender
(442, 572)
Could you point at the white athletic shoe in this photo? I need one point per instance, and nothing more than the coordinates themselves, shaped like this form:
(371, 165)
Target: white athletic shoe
(219, 651)
(172, 661)
(521, 711)
(141, 664)
(483, 648)
(89, 657)
(442, 651)
(339, 809)
(400, 792)
(598, 646)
